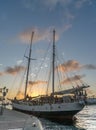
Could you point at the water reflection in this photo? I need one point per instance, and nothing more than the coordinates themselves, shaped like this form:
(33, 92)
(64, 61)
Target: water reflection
(86, 120)
(48, 125)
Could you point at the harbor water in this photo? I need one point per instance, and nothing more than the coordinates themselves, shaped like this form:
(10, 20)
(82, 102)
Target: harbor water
(86, 120)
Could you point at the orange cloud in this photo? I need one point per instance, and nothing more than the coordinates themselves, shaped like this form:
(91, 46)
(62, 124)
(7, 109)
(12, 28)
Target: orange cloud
(73, 65)
(72, 79)
(37, 82)
(12, 70)
(39, 35)
(70, 65)
(1, 73)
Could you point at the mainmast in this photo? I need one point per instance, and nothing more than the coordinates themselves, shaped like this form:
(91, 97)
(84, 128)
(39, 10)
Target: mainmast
(28, 66)
(53, 62)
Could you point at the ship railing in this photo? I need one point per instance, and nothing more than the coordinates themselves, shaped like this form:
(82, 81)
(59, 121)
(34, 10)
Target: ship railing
(50, 100)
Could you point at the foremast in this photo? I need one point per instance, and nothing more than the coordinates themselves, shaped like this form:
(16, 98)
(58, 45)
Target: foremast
(28, 66)
(53, 63)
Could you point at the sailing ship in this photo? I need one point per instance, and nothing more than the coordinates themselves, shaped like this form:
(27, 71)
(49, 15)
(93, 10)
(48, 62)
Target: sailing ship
(56, 106)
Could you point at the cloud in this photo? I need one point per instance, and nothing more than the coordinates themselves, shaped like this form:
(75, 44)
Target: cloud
(39, 35)
(80, 3)
(43, 34)
(14, 70)
(90, 66)
(66, 27)
(1, 73)
(52, 4)
(19, 62)
(73, 65)
(72, 79)
(37, 82)
(70, 65)
(69, 15)
(27, 3)
(66, 8)
(44, 4)
(1, 64)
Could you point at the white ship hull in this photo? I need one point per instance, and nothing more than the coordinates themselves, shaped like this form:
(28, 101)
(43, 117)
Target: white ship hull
(58, 111)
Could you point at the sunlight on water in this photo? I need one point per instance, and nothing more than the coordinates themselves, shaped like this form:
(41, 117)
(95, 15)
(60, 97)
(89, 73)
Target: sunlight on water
(87, 118)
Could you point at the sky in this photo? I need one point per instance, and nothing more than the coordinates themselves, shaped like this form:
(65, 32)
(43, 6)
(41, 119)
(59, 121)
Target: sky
(74, 22)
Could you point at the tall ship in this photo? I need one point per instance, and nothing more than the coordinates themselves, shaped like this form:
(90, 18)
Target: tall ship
(60, 105)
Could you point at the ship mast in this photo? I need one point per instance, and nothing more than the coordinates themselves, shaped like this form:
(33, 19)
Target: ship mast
(53, 63)
(28, 66)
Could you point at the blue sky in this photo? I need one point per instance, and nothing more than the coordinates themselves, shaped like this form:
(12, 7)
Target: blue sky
(73, 20)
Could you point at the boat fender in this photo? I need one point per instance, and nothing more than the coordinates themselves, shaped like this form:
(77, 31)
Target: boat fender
(34, 124)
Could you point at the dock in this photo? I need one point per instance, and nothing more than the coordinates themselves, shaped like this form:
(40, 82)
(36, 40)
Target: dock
(13, 120)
